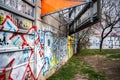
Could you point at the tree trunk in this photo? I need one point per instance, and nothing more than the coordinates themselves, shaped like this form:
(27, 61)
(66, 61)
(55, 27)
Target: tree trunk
(78, 46)
(101, 44)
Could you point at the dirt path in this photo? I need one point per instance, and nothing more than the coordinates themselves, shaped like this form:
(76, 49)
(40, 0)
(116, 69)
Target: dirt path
(111, 68)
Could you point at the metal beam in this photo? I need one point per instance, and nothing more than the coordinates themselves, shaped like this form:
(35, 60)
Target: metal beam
(88, 22)
(64, 9)
(86, 7)
(80, 13)
(72, 11)
(84, 25)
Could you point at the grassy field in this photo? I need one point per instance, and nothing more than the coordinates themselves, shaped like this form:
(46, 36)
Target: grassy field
(103, 52)
(77, 65)
(112, 53)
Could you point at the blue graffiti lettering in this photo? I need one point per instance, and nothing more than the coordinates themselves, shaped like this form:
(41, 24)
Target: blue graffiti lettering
(46, 66)
(9, 25)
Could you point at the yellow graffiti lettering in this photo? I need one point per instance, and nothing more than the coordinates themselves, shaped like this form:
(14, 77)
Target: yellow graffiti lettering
(1, 19)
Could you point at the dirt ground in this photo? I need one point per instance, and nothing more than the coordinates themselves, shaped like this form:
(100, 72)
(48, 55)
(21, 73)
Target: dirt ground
(111, 68)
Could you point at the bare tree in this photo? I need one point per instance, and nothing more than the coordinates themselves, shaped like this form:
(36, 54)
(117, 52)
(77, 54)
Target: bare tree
(110, 16)
(83, 38)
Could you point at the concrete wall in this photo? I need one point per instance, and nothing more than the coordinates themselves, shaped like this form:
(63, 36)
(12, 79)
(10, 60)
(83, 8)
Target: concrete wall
(35, 52)
(57, 47)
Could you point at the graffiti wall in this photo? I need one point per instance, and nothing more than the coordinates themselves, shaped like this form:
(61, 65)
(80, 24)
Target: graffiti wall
(25, 54)
(29, 52)
(16, 51)
(51, 51)
(110, 42)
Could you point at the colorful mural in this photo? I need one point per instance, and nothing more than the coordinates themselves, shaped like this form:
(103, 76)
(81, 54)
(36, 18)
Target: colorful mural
(16, 49)
(51, 52)
(27, 54)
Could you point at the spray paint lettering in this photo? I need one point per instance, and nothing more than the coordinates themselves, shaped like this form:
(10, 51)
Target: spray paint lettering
(13, 40)
(9, 25)
(50, 52)
(28, 75)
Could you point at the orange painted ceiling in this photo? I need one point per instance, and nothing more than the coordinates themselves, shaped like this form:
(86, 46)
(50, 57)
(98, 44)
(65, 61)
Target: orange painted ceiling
(49, 6)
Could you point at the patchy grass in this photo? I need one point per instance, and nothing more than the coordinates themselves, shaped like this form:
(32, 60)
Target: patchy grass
(68, 71)
(65, 73)
(92, 74)
(113, 56)
(77, 65)
(97, 52)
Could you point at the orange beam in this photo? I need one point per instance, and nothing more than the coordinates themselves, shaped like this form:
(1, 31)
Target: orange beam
(49, 6)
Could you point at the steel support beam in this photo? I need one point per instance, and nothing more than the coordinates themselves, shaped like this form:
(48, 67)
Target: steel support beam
(64, 9)
(94, 18)
(86, 24)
